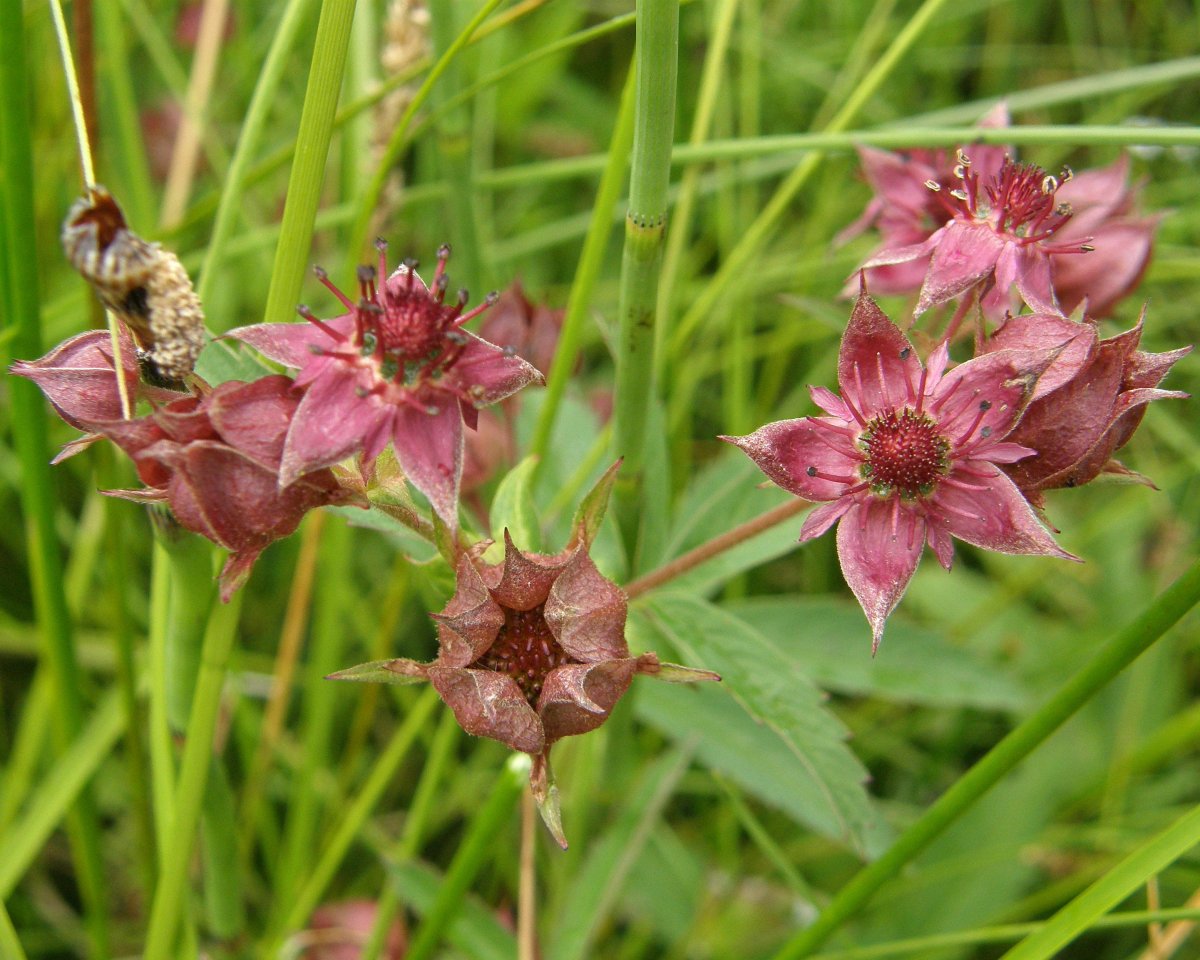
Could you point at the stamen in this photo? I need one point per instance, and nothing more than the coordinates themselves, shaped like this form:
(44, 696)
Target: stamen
(329, 285)
(830, 477)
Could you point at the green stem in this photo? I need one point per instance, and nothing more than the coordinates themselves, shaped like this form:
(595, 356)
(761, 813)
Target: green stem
(587, 273)
(167, 905)
(657, 59)
(477, 849)
(261, 103)
(312, 150)
(20, 305)
(1121, 651)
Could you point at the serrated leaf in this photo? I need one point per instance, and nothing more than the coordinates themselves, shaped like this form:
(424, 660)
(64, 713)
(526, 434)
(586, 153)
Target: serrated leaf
(831, 638)
(765, 727)
(398, 671)
(512, 507)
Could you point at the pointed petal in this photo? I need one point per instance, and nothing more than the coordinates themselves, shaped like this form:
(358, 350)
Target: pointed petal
(830, 402)
(254, 417)
(878, 369)
(986, 509)
(905, 253)
(545, 795)
(965, 255)
(525, 578)
(879, 546)
(984, 397)
(1111, 270)
(330, 423)
(578, 697)
(429, 446)
(293, 344)
(1033, 280)
(586, 612)
(1075, 343)
(824, 517)
(793, 452)
(236, 572)
(490, 704)
(486, 373)
(470, 622)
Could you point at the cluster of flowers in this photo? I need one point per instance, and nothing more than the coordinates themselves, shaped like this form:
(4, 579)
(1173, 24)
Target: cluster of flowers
(531, 650)
(911, 454)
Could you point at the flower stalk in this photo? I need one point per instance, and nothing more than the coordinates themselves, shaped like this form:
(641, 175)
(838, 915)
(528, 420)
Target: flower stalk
(645, 233)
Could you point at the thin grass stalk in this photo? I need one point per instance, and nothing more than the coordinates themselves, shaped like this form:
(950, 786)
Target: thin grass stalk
(308, 170)
(476, 850)
(657, 58)
(57, 794)
(1127, 876)
(317, 703)
(27, 746)
(10, 943)
(20, 300)
(136, 183)
(1107, 664)
(429, 791)
(291, 640)
(262, 101)
(681, 218)
(167, 906)
(401, 136)
(186, 150)
(453, 141)
(587, 273)
(352, 817)
(527, 947)
(162, 754)
(737, 263)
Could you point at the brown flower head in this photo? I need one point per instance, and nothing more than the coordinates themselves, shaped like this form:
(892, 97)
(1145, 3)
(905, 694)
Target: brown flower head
(532, 649)
(1087, 405)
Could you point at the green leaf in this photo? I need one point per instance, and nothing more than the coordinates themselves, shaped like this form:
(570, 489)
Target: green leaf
(513, 509)
(831, 638)
(765, 727)
(221, 361)
(416, 547)
(399, 671)
(476, 931)
(594, 504)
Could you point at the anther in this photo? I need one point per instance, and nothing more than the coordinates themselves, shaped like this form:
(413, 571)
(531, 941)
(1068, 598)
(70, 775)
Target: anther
(960, 172)
(366, 274)
(962, 158)
(443, 251)
(1049, 184)
(320, 273)
(411, 264)
(933, 185)
(1086, 248)
(959, 195)
(1066, 175)
(380, 244)
(492, 297)
(1064, 209)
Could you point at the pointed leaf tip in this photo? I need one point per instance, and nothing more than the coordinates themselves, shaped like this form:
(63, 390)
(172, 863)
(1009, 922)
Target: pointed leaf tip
(592, 507)
(545, 795)
(398, 671)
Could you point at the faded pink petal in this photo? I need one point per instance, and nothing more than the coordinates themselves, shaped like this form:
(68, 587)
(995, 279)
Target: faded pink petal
(980, 505)
(800, 455)
(879, 544)
(486, 374)
(292, 344)
(469, 623)
(877, 367)
(965, 255)
(429, 446)
(523, 580)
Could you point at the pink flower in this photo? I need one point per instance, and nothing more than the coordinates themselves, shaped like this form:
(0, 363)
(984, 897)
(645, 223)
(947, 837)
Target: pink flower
(1086, 407)
(397, 366)
(907, 456)
(905, 211)
(1102, 204)
(1001, 234)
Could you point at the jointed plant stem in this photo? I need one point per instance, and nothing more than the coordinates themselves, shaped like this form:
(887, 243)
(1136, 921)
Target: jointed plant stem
(657, 60)
(1111, 660)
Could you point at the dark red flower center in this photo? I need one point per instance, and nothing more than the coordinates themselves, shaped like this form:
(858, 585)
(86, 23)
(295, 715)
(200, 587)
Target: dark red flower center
(526, 650)
(904, 454)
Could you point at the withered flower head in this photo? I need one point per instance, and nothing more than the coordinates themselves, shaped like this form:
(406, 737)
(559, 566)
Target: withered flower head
(1089, 404)
(532, 649)
(143, 284)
